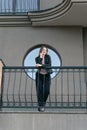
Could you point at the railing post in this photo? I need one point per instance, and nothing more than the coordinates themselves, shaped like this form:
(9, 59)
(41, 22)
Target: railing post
(14, 6)
(86, 94)
(38, 4)
(68, 87)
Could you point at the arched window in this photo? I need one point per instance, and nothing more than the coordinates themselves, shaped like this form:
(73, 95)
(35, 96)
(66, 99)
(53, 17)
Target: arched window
(29, 59)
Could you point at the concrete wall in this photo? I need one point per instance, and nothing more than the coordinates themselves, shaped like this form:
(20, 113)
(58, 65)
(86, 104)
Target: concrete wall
(43, 121)
(46, 4)
(85, 45)
(15, 42)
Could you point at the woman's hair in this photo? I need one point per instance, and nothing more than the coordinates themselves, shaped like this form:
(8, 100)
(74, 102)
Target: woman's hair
(41, 49)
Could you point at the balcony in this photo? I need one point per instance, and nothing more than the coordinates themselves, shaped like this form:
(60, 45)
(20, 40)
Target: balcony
(68, 89)
(43, 13)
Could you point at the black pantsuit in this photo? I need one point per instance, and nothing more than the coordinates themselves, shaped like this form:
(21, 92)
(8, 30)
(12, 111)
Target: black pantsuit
(42, 88)
(43, 80)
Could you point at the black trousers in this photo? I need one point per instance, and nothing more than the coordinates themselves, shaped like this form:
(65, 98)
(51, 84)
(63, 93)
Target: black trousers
(42, 88)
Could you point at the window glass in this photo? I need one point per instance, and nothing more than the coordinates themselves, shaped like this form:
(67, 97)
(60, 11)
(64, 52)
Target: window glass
(26, 5)
(7, 6)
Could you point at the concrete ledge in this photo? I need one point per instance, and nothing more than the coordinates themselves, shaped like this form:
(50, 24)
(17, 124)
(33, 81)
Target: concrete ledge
(14, 20)
(43, 121)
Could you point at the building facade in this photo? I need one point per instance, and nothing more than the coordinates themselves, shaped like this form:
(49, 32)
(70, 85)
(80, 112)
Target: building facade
(60, 24)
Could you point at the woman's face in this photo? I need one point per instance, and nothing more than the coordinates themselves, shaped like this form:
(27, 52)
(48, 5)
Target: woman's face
(44, 51)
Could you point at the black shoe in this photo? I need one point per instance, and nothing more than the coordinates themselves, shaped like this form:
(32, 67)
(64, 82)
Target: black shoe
(41, 109)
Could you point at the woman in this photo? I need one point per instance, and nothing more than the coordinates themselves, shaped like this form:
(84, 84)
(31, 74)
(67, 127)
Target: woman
(43, 79)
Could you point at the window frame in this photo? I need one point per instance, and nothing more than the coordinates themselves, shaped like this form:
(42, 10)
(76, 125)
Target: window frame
(38, 46)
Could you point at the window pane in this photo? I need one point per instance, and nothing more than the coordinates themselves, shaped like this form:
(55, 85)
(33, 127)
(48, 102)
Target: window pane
(26, 5)
(6, 5)
(18, 5)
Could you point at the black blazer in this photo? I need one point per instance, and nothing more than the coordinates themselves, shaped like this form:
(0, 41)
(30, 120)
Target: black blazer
(47, 63)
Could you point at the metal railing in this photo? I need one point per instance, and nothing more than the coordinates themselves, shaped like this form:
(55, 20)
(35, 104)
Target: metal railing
(18, 6)
(68, 88)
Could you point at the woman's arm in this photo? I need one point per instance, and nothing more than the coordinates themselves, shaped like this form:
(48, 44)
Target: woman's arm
(47, 61)
(38, 61)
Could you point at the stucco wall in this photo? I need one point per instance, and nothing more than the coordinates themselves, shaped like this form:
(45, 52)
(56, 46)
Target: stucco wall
(85, 45)
(43, 121)
(46, 4)
(15, 42)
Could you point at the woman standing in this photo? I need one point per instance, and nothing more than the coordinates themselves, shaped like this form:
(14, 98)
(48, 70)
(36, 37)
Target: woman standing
(43, 79)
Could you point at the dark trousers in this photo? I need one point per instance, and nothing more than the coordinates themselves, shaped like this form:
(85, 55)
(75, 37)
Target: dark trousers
(42, 88)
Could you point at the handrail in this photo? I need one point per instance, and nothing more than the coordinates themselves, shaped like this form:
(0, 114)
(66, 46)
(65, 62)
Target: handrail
(53, 67)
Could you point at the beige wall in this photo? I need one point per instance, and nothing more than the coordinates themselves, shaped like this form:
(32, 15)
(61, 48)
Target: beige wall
(85, 45)
(36, 121)
(15, 41)
(46, 4)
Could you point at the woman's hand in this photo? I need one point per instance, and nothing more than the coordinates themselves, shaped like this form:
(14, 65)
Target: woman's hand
(38, 65)
(42, 55)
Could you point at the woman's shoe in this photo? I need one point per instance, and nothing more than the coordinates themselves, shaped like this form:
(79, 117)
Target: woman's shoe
(41, 109)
